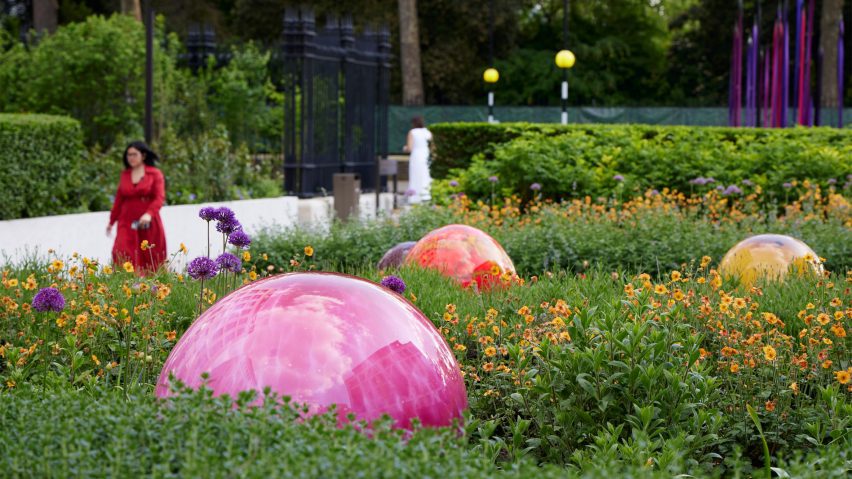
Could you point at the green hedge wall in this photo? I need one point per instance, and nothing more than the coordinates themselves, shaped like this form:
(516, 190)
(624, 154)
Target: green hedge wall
(583, 159)
(42, 157)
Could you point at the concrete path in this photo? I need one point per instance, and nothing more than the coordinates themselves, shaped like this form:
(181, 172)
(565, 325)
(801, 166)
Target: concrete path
(85, 233)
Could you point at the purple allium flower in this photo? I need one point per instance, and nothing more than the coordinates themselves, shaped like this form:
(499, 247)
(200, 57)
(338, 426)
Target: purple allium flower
(787, 185)
(709, 180)
(394, 283)
(655, 192)
(239, 239)
(454, 183)
(192, 197)
(832, 181)
(48, 299)
(747, 182)
(208, 213)
(720, 188)
(700, 181)
(493, 179)
(228, 227)
(618, 178)
(225, 214)
(229, 262)
(535, 186)
(410, 192)
(732, 190)
(202, 268)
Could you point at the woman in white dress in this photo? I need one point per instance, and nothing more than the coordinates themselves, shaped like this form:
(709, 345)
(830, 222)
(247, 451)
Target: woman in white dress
(419, 180)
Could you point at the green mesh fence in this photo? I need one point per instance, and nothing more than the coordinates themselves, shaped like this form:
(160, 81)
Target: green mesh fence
(400, 117)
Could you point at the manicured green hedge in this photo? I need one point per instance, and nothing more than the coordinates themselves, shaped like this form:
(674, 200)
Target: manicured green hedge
(576, 160)
(42, 157)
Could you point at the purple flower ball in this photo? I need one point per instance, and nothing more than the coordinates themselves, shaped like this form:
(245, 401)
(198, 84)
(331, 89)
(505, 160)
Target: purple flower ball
(239, 239)
(410, 192)
(720, 188)
(202, 268)
(229, 262)
(787, 185)
(535, 186)
(48, 299)
(832, 181)
(700, 181)
(454, 183)
(493, 179)
(208, 213)
(732, 190)
(618, 178)
(747, 182)
(225, 214)
(394, 283)
(228, 227)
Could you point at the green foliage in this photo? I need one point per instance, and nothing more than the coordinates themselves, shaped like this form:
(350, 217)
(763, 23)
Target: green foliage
(92, 71)
(573, 237)
(206, 167)
(43, 159)
(578, 160)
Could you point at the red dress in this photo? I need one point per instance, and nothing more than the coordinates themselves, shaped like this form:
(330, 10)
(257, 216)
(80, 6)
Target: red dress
(131, 202)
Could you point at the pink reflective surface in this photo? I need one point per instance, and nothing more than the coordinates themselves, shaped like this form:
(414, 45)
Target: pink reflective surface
(769, 256)
(324, 338)
(462, 252)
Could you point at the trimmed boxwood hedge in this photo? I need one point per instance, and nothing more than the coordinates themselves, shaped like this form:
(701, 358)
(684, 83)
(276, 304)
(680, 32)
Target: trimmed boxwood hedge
(42, 156)
(577, 160)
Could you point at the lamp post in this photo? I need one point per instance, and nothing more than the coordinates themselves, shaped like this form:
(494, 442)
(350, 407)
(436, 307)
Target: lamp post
(565, 60)
(491, 76)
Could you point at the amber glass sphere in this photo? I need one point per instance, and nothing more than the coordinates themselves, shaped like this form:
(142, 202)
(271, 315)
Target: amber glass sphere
(769, 256)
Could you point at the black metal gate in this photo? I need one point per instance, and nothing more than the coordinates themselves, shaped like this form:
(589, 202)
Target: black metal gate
(335, 102)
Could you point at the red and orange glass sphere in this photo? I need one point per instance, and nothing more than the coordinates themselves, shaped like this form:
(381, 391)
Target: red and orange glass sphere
(464, 253)
(323, 339)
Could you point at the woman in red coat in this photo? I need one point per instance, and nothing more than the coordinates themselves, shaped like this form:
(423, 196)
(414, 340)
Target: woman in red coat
(141, 193)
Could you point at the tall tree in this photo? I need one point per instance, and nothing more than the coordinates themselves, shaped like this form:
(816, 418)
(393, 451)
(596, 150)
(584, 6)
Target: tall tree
(45, 15)
(409, 47)
(132, 8)
(829, 25)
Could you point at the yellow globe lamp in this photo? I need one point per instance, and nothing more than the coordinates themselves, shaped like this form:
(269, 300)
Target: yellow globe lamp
(491, 75)
(565, 59)
(770, 257)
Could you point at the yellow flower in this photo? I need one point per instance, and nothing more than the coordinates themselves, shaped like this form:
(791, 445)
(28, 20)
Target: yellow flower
(838, 330)
(827, 363)
(678, 295)
(12, 282)
(490, 351)
(309, 250)
(660, 289)
(705, 260)
(735, 368)
(460, 347)
(128, 266)
(769, 353)
(488, 367)
(628, 290)
(252, 275)
(96, 360)
(107, 269)
(823, 318)
(144, 245)
(842, 376)
(246, 256)
(836, 302)
(171, 335)
(57, 265)
(794, 386)
(183, 248)
(675, 275)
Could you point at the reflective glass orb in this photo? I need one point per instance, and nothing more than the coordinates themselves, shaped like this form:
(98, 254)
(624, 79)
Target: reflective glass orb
(395, 257)
(768, 256)
(323, 339)
(464, 253)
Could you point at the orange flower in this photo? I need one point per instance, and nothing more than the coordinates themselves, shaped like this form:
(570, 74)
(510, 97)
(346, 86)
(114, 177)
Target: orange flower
(827, 363)
(794, 386)
(735, 368)
(309, 250)
(490, 351)
(823, 318)
(769, 353)
(144, 245)
(770, 406)
(660, 289)
(488, 367)
(842, 376)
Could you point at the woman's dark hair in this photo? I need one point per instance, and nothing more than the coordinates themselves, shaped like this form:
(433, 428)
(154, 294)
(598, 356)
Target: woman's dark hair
(417, 122)
(149, 156)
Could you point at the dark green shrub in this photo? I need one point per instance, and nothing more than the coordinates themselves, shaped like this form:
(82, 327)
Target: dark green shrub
(92, 71)
(579, 160)
(41, 167)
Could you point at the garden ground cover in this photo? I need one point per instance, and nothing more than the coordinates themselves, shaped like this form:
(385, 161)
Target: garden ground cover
(589, 371)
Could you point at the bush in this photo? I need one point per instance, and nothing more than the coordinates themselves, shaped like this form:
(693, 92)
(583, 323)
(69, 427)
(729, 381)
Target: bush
(578, 160)
(41, 167)
(650, 233)
(92, 71)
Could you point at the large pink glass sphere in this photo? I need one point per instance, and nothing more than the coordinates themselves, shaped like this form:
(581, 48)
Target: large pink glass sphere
(769, 256)
(323, 339)
(462, 252)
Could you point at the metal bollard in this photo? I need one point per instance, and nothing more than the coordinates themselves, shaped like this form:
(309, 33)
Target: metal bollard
(347, 194)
